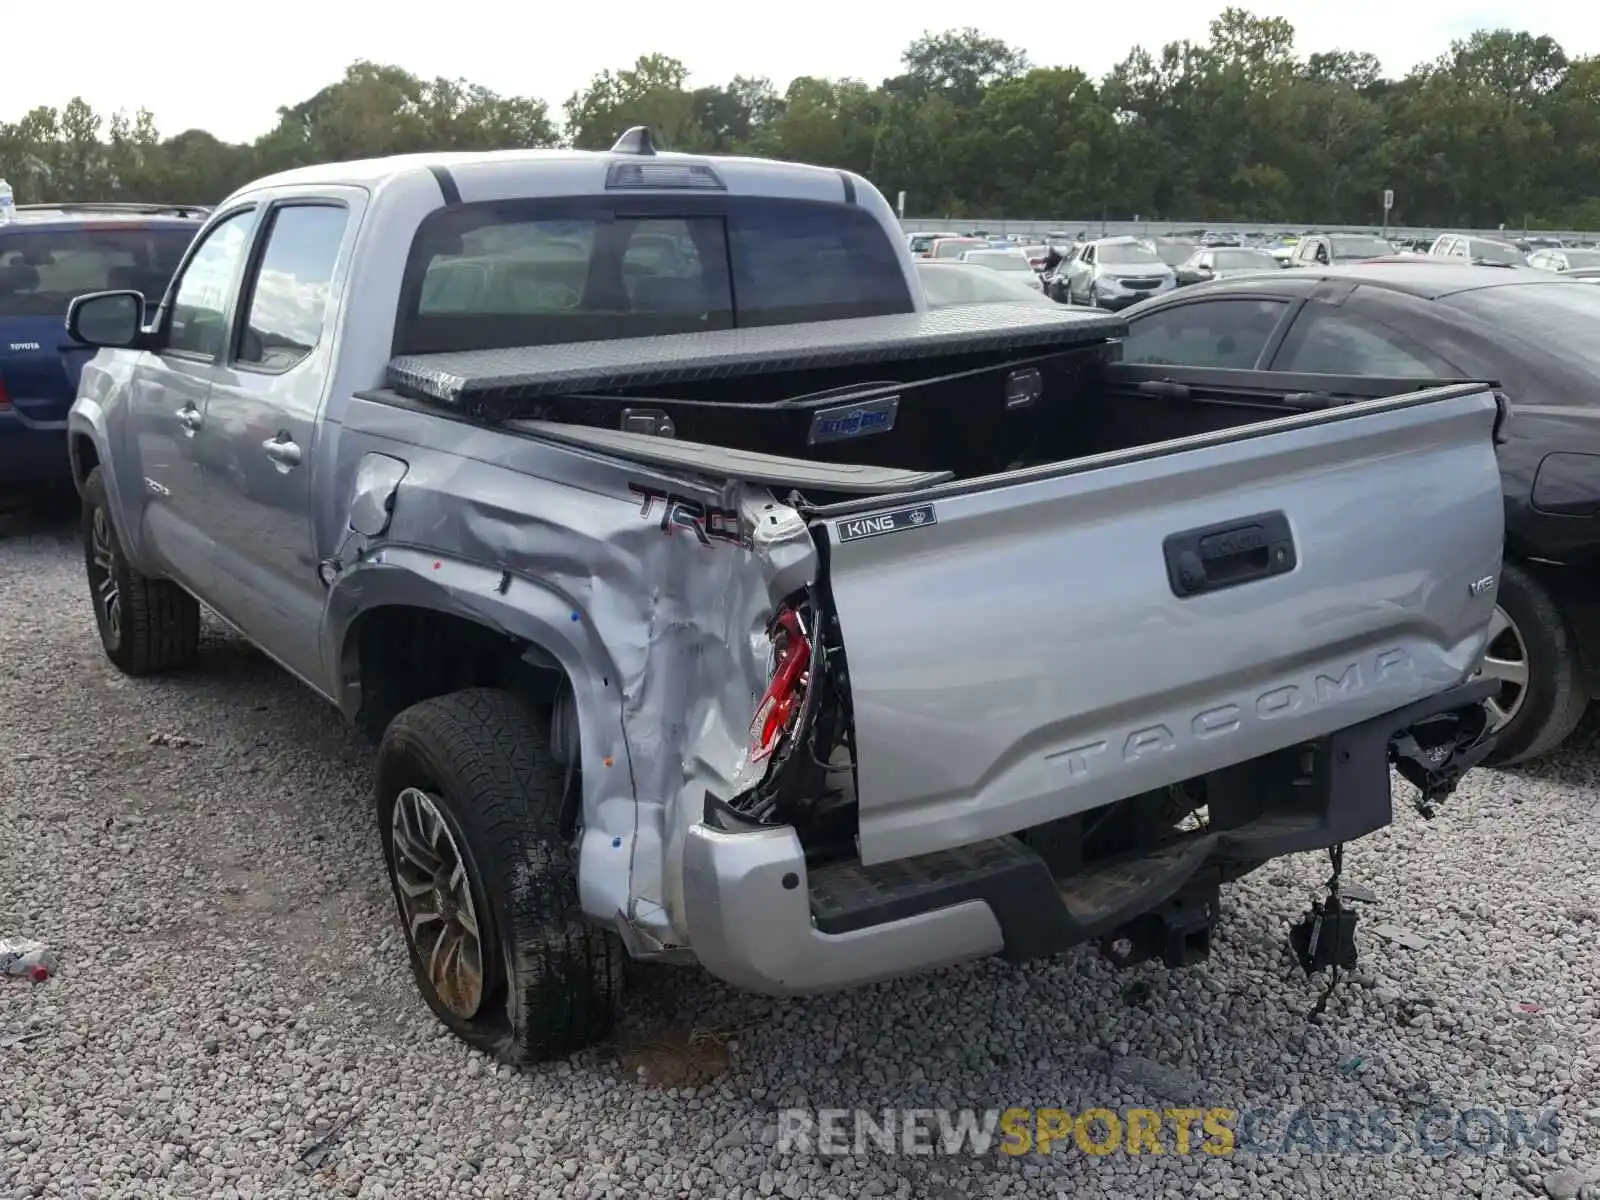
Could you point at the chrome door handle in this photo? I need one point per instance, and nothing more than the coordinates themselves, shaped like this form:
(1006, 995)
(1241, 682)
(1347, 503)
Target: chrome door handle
(283, 452)
(190, 418)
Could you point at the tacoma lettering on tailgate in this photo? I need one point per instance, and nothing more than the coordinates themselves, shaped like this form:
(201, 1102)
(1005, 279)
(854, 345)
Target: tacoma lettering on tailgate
(1322, 688)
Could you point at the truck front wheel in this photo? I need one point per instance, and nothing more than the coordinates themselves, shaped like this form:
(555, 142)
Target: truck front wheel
(469, 806)
(146, 625)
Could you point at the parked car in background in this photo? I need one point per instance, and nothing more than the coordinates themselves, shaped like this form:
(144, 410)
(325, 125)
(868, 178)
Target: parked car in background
(1036, 254)
(1529, 332)
(1281, 246)
(1172, 250)
(954, 247)
(1476, 250)
(1564, 261)
(1333, 249)
(921, 244)
(1008, 262)
(1111, 273)
(947, 283)
(50, 253)
(1223, 263)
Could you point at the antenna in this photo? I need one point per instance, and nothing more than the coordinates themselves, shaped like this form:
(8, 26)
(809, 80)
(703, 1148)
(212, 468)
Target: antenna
(638, 140)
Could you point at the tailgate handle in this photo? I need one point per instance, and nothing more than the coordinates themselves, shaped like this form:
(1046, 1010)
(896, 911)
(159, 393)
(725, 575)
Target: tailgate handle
(1215, 557)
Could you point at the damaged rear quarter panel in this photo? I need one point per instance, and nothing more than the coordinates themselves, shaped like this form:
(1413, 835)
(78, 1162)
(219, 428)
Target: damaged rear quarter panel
(653, 591)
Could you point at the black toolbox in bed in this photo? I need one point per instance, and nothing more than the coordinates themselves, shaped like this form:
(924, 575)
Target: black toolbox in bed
(976, 384)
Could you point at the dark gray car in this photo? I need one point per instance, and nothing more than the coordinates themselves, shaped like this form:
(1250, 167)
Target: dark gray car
(1224, 263)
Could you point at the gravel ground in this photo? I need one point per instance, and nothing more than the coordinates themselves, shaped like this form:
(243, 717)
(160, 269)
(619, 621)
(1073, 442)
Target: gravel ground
(202, 855)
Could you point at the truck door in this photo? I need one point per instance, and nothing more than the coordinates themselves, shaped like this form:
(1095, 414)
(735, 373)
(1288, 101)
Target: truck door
(264, 410)
(169, 389)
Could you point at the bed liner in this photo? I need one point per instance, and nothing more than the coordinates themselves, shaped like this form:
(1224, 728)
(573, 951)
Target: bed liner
(485, 382)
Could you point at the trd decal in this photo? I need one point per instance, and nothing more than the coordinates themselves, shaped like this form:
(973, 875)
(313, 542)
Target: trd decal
(680, 512)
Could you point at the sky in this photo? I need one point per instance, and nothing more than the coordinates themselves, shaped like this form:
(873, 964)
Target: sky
(228, 68)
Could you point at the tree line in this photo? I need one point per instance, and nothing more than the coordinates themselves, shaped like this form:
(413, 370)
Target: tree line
(1502, 128)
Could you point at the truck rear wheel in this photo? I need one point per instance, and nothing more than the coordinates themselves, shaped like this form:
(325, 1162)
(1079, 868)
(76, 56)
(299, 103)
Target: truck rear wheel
(146, 625)
(485, 881)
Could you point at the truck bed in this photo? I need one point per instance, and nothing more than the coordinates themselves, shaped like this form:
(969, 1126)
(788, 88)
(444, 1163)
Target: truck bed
(1190, 569)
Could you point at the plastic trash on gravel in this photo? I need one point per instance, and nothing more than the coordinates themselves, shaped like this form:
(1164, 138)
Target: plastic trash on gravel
(27, 959)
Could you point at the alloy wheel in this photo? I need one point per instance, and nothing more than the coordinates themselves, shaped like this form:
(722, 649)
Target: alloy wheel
(1506, 660)
(103, 574)
(435, 885)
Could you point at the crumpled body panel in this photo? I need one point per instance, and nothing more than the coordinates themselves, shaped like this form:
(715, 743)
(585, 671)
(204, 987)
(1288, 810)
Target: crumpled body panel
(654, 593)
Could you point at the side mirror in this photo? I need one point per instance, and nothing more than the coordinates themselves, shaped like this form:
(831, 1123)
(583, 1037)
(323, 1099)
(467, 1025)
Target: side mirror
(107, 319)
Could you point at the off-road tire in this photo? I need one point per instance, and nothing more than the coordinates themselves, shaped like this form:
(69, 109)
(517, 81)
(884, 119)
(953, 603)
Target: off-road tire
(159, 626)
(552, 980)
(1555, 698)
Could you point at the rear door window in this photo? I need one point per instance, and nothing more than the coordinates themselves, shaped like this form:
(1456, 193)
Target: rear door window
(1326, 341)
(288, 297)
(43, 270)
(528, 273)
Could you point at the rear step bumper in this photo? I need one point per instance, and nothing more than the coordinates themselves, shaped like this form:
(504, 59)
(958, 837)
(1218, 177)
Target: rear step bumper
(760, 920)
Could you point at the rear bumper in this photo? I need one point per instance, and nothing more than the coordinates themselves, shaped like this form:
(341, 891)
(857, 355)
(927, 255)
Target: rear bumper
(760, 919)
(33, 454)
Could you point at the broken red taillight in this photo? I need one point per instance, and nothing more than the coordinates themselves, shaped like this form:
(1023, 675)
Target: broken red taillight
(791, 674)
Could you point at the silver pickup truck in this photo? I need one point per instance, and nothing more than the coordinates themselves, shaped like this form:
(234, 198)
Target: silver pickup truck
(713, 600)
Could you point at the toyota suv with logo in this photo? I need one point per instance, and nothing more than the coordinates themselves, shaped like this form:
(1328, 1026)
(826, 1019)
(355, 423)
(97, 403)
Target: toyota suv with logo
(715, 600)
(50, 253)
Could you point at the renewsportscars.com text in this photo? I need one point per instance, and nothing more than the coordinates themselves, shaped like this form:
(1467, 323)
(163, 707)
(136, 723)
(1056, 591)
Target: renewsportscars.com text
(1436, 1132)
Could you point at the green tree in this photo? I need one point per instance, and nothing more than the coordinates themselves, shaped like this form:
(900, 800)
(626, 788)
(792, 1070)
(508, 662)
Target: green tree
(1504, 126)
(651, 92)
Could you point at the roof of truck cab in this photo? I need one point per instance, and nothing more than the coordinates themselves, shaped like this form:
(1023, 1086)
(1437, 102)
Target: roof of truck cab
(374, 172)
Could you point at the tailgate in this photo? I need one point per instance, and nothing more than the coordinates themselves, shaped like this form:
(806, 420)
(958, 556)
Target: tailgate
(1045, 642)
(40, 366)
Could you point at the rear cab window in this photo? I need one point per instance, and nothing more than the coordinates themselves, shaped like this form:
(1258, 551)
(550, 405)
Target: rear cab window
(537, 272)
(43, 269)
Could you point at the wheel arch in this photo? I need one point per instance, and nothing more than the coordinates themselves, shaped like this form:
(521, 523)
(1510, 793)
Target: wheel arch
(84, 455)
(526, 622)
(535, 629)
